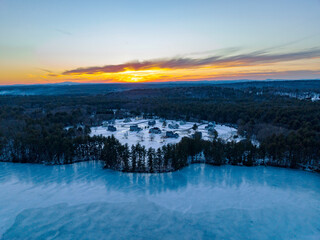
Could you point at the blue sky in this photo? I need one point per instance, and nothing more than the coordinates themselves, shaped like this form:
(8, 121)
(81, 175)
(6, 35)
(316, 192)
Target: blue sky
(63, 35)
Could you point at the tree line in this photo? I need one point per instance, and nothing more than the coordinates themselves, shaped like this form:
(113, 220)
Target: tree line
(172, 157)
(33, 128)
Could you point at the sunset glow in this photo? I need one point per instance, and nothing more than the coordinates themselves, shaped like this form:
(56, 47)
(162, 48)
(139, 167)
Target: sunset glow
(103, 41)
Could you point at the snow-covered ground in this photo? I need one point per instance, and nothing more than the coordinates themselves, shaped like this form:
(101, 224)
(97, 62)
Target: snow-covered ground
(313, 96)
(124, 135)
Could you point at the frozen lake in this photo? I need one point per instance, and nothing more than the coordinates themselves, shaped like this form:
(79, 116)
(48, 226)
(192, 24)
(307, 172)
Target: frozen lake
(83, 201)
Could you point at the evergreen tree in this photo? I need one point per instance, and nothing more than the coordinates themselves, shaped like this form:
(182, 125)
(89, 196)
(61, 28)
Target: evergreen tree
(125, 158)
(133, 158)
(159, 160)
(109, 152)
(151, 157)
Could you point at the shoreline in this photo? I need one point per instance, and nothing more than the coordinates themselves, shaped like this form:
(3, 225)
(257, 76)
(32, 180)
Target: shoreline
(306, 169)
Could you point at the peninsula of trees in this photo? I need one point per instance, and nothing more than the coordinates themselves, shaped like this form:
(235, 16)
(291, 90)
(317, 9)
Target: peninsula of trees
(33, 128)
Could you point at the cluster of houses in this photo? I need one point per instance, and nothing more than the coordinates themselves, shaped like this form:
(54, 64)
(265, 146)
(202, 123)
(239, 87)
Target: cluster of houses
(135, 128)
(156, 130)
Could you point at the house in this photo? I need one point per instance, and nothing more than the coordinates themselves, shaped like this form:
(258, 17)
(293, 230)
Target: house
(170, 134)
(127, 120)
(155, 130)
(112, 128)
(173, 125)
(152, 122)
(211, 125)
(135, 128)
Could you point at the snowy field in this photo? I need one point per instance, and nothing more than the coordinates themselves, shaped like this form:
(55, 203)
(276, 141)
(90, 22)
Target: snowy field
(83, 201)
(124, 135)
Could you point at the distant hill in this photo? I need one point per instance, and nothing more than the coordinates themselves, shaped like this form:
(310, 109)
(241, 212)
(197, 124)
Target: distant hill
(74, 88)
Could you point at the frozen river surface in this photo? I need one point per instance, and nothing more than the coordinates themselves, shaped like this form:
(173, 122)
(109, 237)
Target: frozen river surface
(83, 201)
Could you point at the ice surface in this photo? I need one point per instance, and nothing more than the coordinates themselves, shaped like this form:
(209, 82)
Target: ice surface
(83, 201)
(158, 140)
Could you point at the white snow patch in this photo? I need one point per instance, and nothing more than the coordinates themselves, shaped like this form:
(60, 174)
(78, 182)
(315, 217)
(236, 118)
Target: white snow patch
(125, 136)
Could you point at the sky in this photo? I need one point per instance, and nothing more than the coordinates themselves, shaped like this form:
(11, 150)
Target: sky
(157, 41)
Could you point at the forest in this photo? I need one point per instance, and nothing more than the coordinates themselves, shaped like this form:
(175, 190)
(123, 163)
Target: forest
(55, 129)
(172, 157)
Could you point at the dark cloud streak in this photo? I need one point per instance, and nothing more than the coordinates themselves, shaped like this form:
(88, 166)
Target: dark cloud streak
(254, 58)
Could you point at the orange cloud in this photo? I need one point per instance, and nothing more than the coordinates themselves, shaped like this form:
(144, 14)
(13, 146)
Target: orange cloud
(256, 65)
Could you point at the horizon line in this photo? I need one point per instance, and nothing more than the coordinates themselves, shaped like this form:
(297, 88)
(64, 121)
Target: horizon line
(66, 83)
